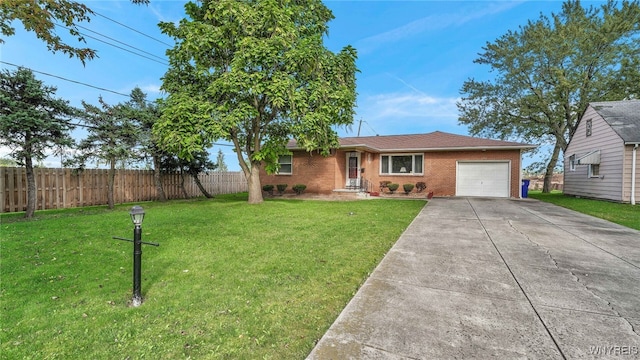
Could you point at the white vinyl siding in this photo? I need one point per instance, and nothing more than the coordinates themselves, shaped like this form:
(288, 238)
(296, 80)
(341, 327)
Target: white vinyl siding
(581, 182)
(490, 179)
(626, 186)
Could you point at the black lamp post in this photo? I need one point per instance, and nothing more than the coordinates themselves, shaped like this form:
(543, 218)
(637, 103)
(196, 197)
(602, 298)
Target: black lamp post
(137, 216)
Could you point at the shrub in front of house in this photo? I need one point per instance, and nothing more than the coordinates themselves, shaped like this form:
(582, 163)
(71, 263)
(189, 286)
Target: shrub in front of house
(407, 188)
(420, 186)
(281, 188)
(393, 187)
(268, 189)
(299, 188)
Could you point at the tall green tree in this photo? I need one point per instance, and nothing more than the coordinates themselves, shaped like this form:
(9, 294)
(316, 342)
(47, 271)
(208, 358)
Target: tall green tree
(32, 121)
(548, 71)
(145, 114)
(40, 16)
(255, 73)
(112, 137)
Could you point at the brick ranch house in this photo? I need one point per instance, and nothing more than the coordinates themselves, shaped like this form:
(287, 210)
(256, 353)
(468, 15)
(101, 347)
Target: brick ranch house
(449, 164)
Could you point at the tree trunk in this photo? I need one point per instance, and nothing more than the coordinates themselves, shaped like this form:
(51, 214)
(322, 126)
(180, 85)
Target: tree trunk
(184, 190)
(255, 188)
(202, 189)
(548, 175)
(31, 188)
(110, 181)
(157, 179)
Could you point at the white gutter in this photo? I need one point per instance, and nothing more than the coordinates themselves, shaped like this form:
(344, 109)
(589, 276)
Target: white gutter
(433, 149)
(633, 175)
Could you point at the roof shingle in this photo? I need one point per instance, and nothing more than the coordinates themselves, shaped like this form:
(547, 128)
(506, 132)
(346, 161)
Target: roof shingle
(622, 116)
(433, 141)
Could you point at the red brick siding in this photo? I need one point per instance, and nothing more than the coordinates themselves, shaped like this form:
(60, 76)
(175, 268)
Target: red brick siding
(315, 171)
(323, 175)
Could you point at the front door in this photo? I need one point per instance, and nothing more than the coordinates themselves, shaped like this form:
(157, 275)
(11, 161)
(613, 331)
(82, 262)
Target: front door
(353, 170)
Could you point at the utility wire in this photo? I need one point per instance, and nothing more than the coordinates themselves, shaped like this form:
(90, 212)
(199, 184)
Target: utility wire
(369, 125)
(65, 79)
(119, 42)
(116, 46)
(132, 29)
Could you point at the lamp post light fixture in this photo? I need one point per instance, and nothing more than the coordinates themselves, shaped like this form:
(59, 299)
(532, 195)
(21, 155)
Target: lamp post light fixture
(137, 216)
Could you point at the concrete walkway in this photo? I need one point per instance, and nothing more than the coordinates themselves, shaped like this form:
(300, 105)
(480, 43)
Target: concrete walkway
(495, 278)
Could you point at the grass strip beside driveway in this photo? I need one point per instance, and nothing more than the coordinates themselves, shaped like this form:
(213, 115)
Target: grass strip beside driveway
(229, 280)
(624, 214)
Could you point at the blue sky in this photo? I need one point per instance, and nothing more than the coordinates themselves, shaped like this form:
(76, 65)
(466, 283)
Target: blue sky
(413, 57)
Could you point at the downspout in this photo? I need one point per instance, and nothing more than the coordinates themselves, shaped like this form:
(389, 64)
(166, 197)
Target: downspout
(520, 177)
(633, 174)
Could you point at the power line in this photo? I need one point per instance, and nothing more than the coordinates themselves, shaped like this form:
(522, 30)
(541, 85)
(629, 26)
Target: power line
(119, 42)
(65, 79)
(116, 46)
(132, 29)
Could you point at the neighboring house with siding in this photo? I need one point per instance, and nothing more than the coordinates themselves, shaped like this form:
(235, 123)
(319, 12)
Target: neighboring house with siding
(449, 164)
(601, 160)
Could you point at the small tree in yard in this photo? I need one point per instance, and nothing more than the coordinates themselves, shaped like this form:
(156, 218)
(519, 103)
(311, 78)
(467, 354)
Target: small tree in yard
(255, 73)
(31, 121)
(221, 166)
(145, 114)
(198, 164)
(112, 137)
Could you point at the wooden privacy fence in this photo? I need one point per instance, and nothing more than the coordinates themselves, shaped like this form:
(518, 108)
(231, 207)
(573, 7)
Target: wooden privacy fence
(63, 188)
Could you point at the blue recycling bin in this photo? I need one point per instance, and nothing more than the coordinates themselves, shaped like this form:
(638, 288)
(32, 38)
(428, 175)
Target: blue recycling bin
(525, 188)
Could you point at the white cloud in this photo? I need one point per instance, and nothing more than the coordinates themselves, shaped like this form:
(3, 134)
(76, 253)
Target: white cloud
(409, 105)
(404, 113)
(151, 89)
(431, 23)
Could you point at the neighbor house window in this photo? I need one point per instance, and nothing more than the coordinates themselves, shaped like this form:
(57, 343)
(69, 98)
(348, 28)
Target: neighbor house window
(589, 127)
(572, 163)
(594, 170)
(286, 165)
(401, 164)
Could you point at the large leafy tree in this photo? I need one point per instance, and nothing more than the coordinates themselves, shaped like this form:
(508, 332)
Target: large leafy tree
(548, 71)
(255, 73)
(32, 121)
(40, 16)
(112, 138)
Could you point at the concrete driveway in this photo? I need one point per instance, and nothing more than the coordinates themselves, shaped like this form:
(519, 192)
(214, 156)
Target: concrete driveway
(496, 278)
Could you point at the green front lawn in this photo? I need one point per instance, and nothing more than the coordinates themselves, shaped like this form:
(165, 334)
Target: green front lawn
(623, 214)
(229, 280)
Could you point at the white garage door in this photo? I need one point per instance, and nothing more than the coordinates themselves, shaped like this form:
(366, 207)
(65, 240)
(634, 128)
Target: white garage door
(489, 179)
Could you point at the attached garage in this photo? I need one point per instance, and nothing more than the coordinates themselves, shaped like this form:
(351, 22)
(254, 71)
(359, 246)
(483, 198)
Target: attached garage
(446, 164)
(483, 178)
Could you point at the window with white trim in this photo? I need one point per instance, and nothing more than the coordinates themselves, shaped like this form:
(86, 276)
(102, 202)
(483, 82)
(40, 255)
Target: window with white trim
(401, 164)
(589, 127)
(594, 170)
(572, 162)
(285, 163)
